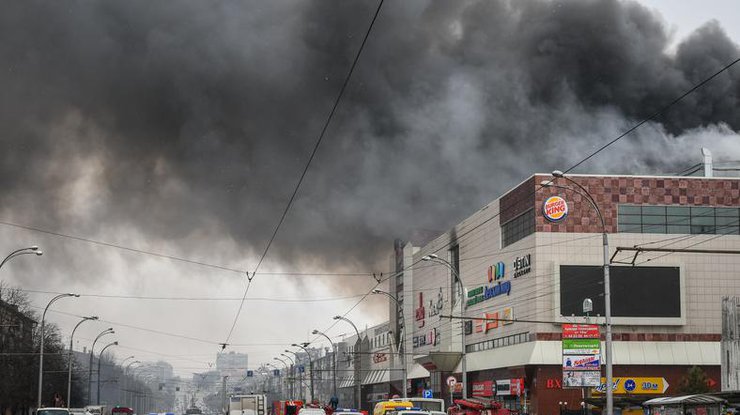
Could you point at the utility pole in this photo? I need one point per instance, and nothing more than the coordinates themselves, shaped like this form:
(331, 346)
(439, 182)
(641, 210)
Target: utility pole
(225, 401)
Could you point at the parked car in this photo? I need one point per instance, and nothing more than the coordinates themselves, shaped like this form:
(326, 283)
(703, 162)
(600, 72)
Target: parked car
(52, 411)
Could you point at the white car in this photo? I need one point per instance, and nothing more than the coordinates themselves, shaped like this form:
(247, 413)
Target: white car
(52, 411)
(311, 411)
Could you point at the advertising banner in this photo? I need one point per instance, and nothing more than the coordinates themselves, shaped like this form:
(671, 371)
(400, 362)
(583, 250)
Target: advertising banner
(581, 346)
(580, 331)
(483, 389)
(634, 386)
(582, 362)
(581, 378)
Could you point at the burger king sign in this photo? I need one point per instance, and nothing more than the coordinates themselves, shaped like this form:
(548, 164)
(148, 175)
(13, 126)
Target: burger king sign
(555, 208)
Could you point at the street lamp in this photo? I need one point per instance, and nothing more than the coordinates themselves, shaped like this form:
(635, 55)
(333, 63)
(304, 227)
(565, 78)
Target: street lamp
(43, 319)
(358, 361)
(295, 367)
(69, 376)
(310, 363)
(464, 358)
(287, 371)
(334, 363)
(607, 289)
(292, 379)
(23, 251)
(401, 351)
(100, 360)
(105, 332)
(125, 381)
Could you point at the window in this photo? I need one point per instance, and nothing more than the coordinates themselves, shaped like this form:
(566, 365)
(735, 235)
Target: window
(679, 220)
(517, 228)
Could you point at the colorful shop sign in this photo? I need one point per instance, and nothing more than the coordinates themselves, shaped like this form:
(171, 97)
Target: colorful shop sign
(483, 389)
(582, 362)
(555, 209)
(634, 386)
(492, 321)
(581, 346)
(580, 331)
(419, 313)
(509, 387)
(432, 338)
(380, 357)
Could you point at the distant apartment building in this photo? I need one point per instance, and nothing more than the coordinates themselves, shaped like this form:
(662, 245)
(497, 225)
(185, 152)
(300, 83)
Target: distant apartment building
(232, 364)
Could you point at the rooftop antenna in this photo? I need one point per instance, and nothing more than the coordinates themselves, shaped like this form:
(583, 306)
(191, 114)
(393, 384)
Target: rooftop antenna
(707, 162)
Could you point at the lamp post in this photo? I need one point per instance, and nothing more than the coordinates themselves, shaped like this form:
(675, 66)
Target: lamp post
(358, 383)
(89, 373)
(402, 338)
(69, 375)
(607, 289)
(310, 363)
(300, 380)
(43, 319)
(291, 379)
(100, 360)
(126, 392)
(23, 251)
(464, 357)
(334, 362)
(287, 370)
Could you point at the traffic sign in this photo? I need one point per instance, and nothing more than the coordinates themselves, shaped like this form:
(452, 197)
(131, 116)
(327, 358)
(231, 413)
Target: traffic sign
(635, 386)
(301, 369)
(451, 381)
(427, 393)
(250, 373)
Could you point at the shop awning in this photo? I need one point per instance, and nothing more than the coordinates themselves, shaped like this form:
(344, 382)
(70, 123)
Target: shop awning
(376, 376)
(439, 361)
(347, 382)
(417, 371)
(688, 399)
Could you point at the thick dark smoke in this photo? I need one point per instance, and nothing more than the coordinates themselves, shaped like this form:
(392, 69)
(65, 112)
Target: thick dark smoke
(189, 122)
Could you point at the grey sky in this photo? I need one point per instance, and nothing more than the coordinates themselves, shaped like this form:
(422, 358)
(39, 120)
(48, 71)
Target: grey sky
(182, 130)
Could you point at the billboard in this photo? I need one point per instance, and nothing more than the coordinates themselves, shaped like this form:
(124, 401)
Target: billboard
(581, 378)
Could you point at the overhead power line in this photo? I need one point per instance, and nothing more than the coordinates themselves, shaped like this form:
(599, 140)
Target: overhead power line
(315, 149)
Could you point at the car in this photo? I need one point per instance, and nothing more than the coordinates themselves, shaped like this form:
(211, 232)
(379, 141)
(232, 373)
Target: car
(311, 411)
(52, 411)
(77, 411)
(425, 404)
(347, 411)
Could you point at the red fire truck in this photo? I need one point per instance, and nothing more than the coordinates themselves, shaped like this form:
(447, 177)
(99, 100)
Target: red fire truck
(477, 406)
(286, 407)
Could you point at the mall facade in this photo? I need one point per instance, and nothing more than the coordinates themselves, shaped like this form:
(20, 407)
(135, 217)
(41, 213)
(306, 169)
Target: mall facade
(528, 261)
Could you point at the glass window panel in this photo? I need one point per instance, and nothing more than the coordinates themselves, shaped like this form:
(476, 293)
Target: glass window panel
(630, 228)
(702, 229)
(653, 210)
(680, 229)
(727, 220)
(702, 220)
(633, 219)
(678, 210)
(653, 220)
(629, 210)
(678, 220)
(726, 212)
(702, 211)
(653, 228)
(728, 230)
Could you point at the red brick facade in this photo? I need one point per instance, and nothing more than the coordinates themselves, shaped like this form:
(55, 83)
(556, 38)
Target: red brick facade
(611, 191)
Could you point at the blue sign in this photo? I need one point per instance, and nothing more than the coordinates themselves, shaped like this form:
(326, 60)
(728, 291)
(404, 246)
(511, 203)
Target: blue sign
(301, 369)
(427, 393)
(276, 372)
(250, 373)
(629, 385)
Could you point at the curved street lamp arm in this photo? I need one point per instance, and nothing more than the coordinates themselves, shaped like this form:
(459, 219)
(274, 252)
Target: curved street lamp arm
(583, 192)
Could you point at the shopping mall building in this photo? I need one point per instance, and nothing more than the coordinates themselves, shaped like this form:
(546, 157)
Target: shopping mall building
(530, 258)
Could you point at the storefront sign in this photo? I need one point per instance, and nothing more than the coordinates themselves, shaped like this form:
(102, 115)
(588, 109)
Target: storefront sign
(419, 313)
(496, 272)
(582, 362)
(435, 307)
(555, 209)
(581, 346)
(495, 320)
(634, 386)
(484, 293)
(522, 265)
(432, 338)
(508, 387)
(581, 378)
(380, 357)
(483, 389)
(580, 331)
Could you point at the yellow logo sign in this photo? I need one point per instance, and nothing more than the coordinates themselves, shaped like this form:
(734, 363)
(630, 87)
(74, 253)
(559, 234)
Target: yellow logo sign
(634, 386)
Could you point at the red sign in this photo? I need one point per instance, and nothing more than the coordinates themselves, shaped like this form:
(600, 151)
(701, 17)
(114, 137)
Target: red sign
(491, 324)
(580, 331)
(420, 312)
(553, 383)
(380, 357)
(483, 389)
